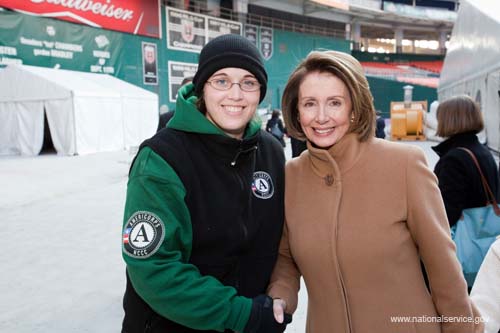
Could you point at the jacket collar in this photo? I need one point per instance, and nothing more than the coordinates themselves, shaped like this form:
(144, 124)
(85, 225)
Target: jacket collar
(457, 140)
(338, 159)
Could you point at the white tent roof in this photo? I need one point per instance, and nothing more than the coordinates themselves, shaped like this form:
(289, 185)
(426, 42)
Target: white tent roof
(475, 43)
(123, 87)
(86, 112)
(30, 83)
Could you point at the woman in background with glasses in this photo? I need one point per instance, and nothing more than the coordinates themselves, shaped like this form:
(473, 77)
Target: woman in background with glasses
(204, 210)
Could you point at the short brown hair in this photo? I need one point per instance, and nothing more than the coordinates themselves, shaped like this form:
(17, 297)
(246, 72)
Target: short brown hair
(459, 114)
(346, 68)
(200, 103)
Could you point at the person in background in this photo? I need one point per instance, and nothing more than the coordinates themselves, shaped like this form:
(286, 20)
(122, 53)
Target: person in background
(459, 120)
(486, 289)
(275, 127)
(380, 127)
(204, 208)
(357, 227)
(298, 146)
(165, 117)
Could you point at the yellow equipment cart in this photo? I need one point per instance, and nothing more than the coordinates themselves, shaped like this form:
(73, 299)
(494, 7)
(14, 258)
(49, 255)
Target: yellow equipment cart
(407, 120)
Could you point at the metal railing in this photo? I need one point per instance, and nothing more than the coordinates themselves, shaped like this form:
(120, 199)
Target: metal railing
(368, 4)
(293, 26)
(265, 21)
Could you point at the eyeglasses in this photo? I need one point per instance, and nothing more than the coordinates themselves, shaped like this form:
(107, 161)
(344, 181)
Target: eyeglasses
(225, 84)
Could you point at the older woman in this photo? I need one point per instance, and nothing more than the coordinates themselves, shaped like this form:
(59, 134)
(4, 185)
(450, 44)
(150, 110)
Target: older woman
(361, 214)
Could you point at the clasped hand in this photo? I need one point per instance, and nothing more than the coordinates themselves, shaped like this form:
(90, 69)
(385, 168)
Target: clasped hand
(267, 316)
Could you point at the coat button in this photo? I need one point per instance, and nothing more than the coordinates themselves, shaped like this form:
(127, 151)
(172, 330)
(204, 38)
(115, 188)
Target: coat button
(329, 179)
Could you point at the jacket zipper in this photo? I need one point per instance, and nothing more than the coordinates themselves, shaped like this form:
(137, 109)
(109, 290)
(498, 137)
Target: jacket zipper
(241, 151)
(242, 186)
(235, 159)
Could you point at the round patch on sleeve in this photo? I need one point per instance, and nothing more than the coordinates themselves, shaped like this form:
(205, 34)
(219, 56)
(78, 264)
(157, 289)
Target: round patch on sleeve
(143, 235)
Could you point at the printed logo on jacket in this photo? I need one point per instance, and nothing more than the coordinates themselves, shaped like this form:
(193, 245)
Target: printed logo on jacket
(262, 185)
(143, 235)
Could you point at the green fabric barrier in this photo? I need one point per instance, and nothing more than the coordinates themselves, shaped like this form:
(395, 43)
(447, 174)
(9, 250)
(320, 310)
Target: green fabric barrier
(386, 91)
(31, 41)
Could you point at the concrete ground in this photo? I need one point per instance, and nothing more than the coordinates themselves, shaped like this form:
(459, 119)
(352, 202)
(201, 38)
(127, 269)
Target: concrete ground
(61, 268)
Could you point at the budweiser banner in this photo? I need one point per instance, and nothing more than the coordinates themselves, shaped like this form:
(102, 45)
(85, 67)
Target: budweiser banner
(187, 31)
(177, 71)
(138, 17)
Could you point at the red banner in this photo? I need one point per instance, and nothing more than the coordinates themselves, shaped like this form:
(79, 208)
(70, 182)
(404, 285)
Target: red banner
(141, 17)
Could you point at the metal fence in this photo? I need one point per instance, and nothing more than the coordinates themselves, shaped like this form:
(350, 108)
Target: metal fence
(265, 21)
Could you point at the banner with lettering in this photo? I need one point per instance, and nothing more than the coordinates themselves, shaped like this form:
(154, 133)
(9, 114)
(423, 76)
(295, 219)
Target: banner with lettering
(188, 31)
(50, 43)
(251, 33)
(149, 63)
(217, 27)
(138, 17)
(266, 42)
(185, 30)
(177, 71)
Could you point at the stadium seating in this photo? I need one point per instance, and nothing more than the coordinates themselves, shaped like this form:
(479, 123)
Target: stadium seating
(424, 73)
(432, 66)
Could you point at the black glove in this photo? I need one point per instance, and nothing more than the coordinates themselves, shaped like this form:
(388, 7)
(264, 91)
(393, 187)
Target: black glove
(262, 317)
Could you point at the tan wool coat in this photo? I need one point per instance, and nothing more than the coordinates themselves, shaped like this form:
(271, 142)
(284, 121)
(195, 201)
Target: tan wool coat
(359, 218)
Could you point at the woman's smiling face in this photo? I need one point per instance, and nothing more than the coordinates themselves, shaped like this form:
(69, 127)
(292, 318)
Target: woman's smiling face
(324, 106)
(231, 110)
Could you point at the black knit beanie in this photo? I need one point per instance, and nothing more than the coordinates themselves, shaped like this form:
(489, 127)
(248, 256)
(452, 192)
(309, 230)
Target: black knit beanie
(230, 51)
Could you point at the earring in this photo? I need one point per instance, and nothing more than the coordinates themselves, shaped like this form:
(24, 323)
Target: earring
(352, 118)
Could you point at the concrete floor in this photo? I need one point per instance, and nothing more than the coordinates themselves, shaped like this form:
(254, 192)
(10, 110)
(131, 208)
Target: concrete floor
(61, 266)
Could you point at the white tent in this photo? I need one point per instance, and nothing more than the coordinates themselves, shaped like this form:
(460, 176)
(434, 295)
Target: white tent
(472, 62)
(86, 112)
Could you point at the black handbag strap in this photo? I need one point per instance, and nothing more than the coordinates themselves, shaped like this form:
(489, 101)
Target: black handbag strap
(487, 190)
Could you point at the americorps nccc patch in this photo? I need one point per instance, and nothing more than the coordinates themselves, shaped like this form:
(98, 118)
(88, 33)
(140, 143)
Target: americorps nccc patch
(143, 234)
(262, 185)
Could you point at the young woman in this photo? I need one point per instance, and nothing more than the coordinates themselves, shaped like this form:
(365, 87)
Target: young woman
(204, 210)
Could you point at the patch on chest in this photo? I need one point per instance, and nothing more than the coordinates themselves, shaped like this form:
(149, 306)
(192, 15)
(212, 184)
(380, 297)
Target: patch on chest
(262, 185)
(143, 235)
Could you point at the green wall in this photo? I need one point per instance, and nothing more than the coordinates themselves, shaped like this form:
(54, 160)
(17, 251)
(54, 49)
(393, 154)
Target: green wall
(386, 91)
(31, 36)
(289, 49)
(126, 53)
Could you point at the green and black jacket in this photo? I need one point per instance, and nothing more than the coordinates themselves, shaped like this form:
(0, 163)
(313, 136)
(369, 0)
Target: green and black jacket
(203, 220)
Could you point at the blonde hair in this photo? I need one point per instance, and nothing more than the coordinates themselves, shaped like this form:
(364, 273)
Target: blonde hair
(459, 114)
(350, 72)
